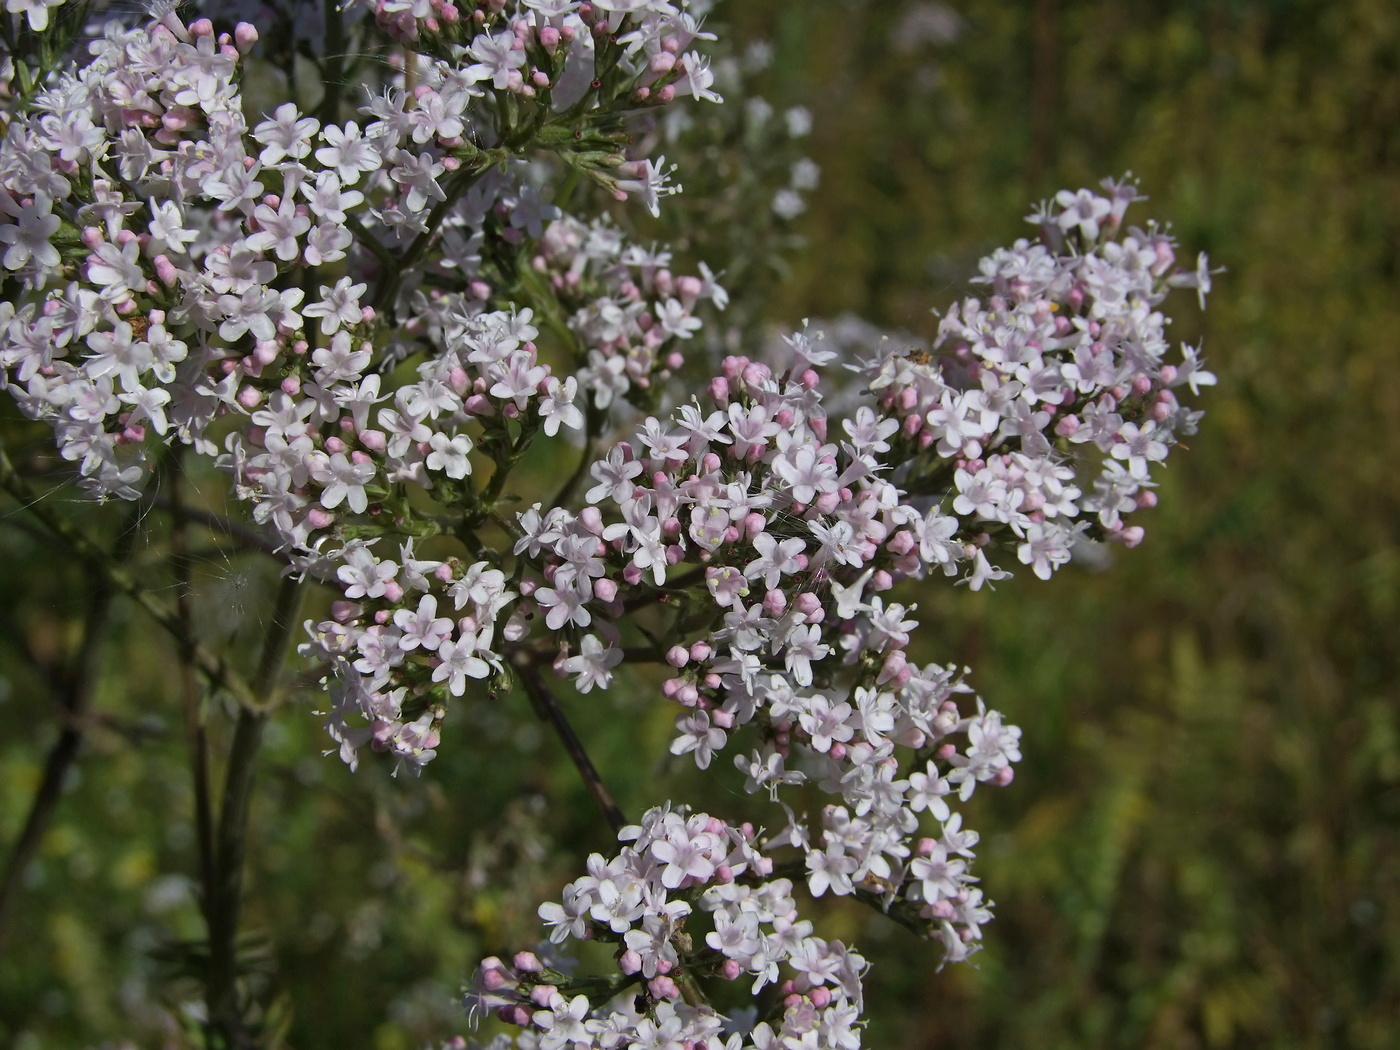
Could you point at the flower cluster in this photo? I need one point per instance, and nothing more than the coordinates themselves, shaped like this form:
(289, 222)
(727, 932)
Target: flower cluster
(153, 231)
(690, 897)
(371, 315)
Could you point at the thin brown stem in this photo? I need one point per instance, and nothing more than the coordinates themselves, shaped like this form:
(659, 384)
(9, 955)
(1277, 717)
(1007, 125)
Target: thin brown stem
(227, 1029)
(548, 708)
(196, 735)
(220, 525)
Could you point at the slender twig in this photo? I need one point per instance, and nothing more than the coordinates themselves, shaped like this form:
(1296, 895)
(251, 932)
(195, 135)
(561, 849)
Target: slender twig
(214, 668)
(73, 695)
(333, 72)
(225, 906)
(196, 735)
(218, 524)
(548, 708)
(585, 461)
(462, 180)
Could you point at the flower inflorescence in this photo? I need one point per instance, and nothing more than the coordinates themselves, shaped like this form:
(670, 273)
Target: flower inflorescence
(371, 321)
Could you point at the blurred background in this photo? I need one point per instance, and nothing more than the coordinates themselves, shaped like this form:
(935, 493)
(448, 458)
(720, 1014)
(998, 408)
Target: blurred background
(1202, 846)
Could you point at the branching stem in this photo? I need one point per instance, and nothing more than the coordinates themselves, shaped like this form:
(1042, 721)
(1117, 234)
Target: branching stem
(548, 708)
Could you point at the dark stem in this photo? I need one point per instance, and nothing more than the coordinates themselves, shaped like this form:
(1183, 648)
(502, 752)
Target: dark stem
(189, 679)
(220, 525)
(1044, 90)
(213, 667)
(333, 72)
(73, 695)
(225, 906)
(548, 708)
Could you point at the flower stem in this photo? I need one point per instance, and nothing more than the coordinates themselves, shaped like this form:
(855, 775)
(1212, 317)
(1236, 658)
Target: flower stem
(548, 708)
(73, 694)
(225, 905)
(214, 668)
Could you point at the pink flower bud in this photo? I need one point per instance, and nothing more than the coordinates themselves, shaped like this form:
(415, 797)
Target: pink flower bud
(605, 590)
(343, 610)
(166, 271)
(541, 994)
(662, 987)
(701, 651)
(731, 970)
(374, 440)
(318, 518)
(775, 603)
(629, 962)
(1128, 537)
(527, 962)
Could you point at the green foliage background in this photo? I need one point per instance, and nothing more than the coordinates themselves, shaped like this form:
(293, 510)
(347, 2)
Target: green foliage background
(1202, 848)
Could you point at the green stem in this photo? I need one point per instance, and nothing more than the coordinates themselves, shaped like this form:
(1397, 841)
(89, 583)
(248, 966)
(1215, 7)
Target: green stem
(333, 73)
(73, 694)
(389, 281)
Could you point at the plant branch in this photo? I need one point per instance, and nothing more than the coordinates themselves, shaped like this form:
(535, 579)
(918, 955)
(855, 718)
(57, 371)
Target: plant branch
(214, 668)
(548, 708)
(189, 681)
(220, 525)
(73, 695)
(225, 906)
